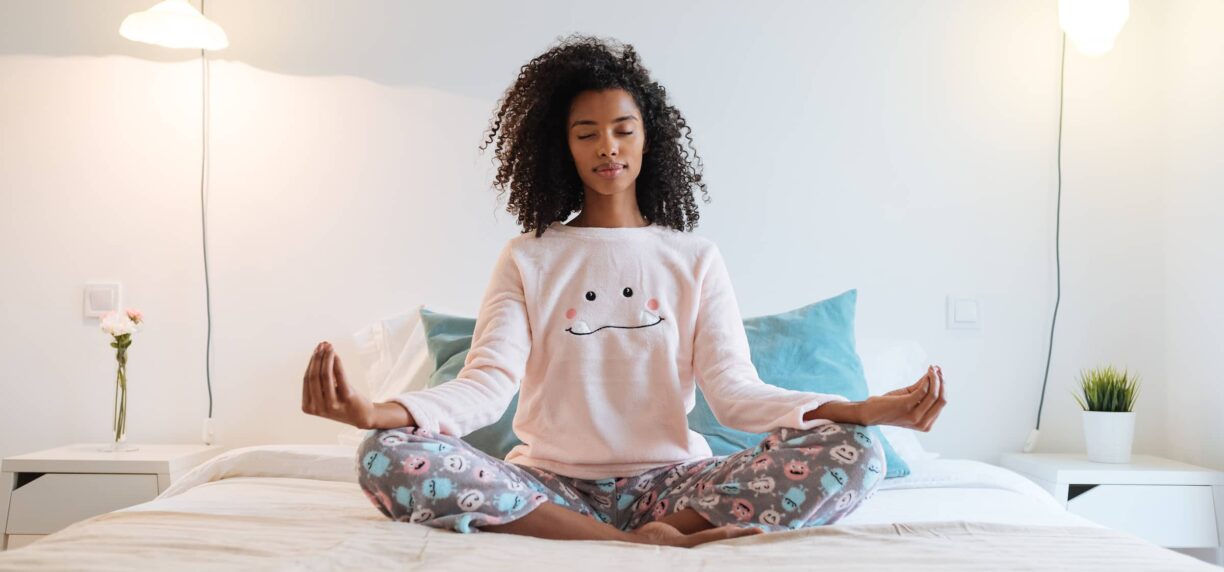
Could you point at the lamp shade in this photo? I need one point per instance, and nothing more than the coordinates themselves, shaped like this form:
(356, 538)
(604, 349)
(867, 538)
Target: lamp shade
(1093, 25)
(174, 24)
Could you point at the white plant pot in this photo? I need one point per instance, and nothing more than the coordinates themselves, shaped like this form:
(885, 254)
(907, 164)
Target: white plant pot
(1109, 435)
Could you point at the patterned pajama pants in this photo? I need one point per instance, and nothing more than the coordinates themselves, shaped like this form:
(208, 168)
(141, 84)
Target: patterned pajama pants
(791, 479)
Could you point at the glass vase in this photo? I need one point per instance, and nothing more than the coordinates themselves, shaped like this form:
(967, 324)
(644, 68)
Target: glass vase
(119, 418)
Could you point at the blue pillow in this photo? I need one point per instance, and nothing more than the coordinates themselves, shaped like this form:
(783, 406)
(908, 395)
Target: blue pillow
(806, 349)
(449, 338)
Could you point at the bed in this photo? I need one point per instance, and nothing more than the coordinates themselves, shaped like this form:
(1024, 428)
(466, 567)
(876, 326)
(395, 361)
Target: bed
(298, 507)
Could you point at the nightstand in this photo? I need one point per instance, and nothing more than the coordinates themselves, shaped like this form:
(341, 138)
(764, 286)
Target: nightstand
(45, 491)
(1169, 503)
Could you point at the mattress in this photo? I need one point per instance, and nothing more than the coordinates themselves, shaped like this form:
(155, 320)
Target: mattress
(298, 507)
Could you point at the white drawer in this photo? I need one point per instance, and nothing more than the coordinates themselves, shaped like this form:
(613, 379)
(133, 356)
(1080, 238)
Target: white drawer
(1180, 516)
(55, 500)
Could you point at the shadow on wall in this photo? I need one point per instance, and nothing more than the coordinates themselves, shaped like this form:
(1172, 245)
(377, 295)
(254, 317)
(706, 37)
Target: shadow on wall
(392, 42)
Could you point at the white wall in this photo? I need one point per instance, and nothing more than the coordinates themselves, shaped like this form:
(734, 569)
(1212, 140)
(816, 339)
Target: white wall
(904, 149)
(1193, 193)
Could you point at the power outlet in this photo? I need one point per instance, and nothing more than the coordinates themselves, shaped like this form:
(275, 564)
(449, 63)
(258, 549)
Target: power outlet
(208, 434)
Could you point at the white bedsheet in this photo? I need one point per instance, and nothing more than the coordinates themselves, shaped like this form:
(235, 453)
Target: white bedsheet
(936, 490)
(961, 489)
(298, 507)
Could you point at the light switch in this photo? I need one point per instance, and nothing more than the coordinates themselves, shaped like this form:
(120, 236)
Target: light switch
(100, 298)
(964, 313)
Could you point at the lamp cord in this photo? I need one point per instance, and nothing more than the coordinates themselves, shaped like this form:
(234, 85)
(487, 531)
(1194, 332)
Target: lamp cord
(1057, 226)
(203, 225)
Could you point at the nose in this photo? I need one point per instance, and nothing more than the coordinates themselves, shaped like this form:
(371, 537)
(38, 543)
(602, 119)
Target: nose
(608, 148)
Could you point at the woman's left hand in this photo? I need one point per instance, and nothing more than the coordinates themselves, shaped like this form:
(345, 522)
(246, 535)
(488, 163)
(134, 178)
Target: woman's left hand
(913, 407)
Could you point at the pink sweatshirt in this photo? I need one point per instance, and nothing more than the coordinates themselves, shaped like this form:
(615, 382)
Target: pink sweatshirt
(605, 332)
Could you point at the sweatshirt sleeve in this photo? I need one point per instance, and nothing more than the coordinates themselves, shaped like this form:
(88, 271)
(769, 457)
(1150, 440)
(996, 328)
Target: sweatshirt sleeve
(494, 367)
(737, 396)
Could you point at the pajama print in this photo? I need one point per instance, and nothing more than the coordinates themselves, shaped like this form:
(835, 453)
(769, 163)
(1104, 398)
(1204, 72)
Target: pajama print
(792, 479)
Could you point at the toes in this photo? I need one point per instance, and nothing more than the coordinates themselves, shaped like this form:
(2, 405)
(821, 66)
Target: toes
(721, 533)
(658, 532)
(663, 533)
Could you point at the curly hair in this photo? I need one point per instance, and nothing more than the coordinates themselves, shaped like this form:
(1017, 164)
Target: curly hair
(533, 150)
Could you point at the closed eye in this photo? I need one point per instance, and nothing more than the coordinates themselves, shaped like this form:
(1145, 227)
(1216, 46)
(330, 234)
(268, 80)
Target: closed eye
(618, 133)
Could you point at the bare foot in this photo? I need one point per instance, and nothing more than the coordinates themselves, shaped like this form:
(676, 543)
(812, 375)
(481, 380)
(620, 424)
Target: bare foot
(664, 534)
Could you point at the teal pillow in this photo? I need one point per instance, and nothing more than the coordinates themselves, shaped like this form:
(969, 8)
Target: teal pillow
(806, 349)
(449, 338)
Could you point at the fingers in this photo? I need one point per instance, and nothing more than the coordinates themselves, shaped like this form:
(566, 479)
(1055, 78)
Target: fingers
(342, 386)
(932, 393)
(329, 378)
(929, 417)
(921, 390)
(911, 388)
(939, 372)
(307, 402)
(918, 387)
(926, 399)
(308, 392)
(316, 373)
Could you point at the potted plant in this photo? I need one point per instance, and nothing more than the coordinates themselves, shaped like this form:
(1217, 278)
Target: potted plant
(1109, 417)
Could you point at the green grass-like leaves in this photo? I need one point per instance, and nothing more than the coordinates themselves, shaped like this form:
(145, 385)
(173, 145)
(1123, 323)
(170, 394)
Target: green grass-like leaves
(1107, 389)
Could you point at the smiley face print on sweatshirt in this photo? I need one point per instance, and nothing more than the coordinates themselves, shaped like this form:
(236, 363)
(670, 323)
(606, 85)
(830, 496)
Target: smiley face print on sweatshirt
(599, 310)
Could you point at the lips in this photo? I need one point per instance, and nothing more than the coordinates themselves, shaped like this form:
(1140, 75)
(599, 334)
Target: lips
(610, 171)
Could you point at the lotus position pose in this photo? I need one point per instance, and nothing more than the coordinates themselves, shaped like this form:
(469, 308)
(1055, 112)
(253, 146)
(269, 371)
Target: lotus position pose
(605, 325)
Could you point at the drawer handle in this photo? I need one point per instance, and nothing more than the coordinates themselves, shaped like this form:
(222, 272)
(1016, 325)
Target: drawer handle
(1077, 490)
(24, 479)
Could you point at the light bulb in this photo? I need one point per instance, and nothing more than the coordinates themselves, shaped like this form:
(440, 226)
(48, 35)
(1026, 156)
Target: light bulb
(1092, 25)
(174, 24)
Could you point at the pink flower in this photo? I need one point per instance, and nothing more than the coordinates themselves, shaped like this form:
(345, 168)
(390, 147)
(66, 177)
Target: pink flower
(135, 315)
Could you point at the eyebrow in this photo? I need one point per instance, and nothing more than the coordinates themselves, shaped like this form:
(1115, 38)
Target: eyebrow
(589, 122)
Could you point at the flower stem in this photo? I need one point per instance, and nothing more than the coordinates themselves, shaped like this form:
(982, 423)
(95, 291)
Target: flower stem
(120, 419)
(123, 404)
(115, 409)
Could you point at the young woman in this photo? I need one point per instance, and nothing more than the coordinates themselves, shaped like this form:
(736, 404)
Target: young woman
(604, 326)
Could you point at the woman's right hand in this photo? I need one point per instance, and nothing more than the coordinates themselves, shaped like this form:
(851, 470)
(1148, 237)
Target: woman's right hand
(326, 392)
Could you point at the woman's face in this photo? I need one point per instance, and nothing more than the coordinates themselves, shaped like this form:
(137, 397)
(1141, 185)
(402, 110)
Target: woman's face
(607, 139)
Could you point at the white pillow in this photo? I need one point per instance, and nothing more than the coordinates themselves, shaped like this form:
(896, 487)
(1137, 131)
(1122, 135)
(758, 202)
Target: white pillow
(892, 364)
(396, 351)
(394, 347)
